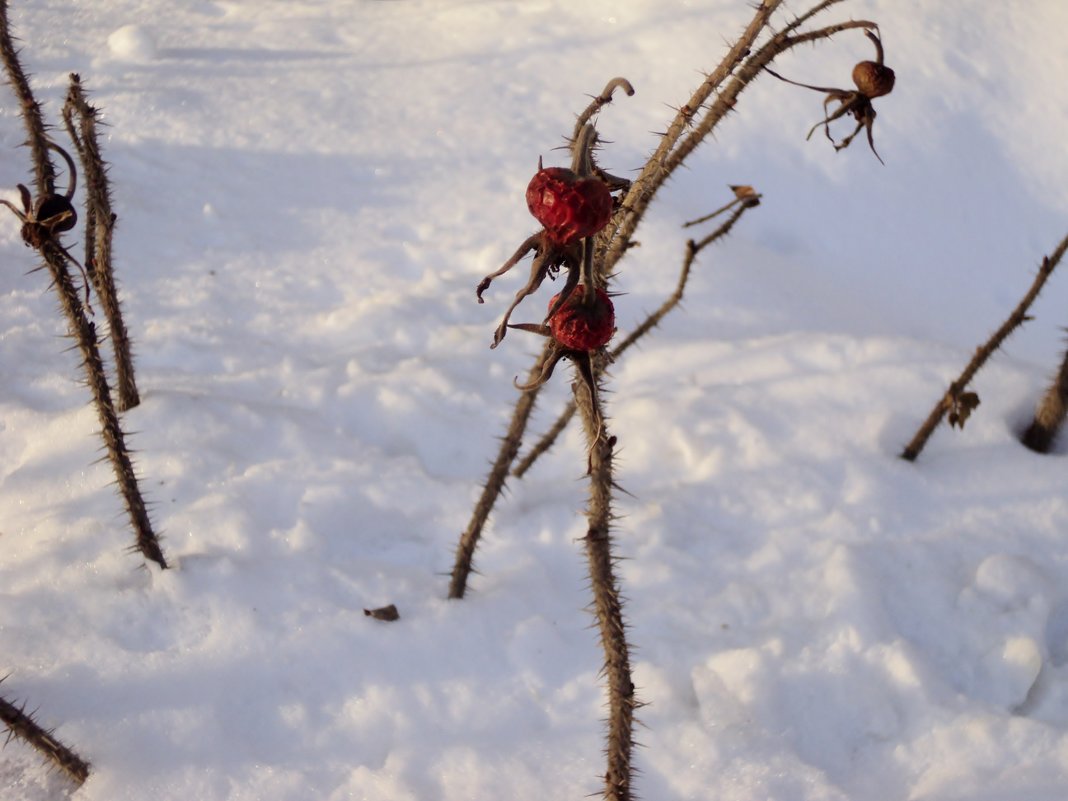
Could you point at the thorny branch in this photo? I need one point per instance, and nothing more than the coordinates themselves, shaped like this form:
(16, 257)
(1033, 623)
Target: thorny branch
(36, 132)
(21, 724)
(739, 68)
(693, 122)
(958, 403)
(607, 602)
(80, 118)
(82, 329)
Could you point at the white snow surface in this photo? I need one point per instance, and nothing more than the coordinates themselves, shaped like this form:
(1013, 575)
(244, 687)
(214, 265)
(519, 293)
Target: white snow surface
(308, 194)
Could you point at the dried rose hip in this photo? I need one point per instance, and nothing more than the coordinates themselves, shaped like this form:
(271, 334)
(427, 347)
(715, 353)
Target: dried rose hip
(577, 326)
(569, 207)
(873, 79)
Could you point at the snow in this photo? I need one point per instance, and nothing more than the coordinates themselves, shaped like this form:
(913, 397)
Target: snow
(307, 196)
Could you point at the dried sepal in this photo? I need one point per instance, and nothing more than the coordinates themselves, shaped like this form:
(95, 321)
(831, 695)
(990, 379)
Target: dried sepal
(960, 408)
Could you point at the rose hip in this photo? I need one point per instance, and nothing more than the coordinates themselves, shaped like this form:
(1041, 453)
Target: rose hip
(569, 207)
(578, 326)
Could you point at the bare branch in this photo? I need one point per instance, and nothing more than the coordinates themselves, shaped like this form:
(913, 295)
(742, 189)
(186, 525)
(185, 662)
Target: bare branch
(21, 724)
(607, 602)
(951, 401)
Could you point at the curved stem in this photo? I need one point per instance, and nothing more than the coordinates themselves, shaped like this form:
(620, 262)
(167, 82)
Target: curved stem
(878, 42)
(601, 101)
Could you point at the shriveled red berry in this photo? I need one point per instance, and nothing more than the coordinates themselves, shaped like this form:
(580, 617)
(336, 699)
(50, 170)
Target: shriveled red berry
(569, 207)
(873, 79)
(581, 327)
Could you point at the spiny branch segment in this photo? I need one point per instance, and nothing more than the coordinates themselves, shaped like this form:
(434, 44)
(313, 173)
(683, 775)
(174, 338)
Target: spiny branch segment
(36, 133)
(607, 602)
(21, 724)
(708, 105)
(81, 122)
(82, 329)
(958, 403)
(84, 333)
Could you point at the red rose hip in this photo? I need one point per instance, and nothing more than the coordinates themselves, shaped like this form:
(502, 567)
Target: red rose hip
(569, 207)
(578, 326)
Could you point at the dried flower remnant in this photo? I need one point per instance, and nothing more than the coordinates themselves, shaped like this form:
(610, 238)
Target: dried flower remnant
(872, 78)
(51, 214)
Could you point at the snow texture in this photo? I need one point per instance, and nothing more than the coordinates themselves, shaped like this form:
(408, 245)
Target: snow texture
(308, 194)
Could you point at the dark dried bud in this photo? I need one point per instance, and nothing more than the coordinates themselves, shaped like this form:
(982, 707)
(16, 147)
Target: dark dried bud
(872, 79)
(57, 212)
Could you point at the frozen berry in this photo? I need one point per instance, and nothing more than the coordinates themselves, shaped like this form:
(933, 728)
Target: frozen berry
(569, 207)
(577, 326)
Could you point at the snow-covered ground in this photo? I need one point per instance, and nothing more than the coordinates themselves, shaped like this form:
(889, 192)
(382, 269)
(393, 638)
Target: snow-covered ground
(308, 194)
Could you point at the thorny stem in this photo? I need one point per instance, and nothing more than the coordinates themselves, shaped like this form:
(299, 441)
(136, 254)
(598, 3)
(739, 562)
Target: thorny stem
(740, 67)
(21, 724)
(81, 328)
(648, 324)
(617, 238)
(582, 165)
(607, 603)
(581, 160)
(494, 484)
(800, 20)
(36, 132)
(84, 333)
(600, 102)
(1017, 318)
(99, 227)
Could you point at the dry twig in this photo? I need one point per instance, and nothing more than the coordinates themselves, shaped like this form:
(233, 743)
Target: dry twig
(957, 402)
(80, 118)
(21, 724)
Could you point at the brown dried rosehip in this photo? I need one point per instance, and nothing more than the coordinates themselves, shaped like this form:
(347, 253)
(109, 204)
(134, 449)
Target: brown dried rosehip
(873, 79)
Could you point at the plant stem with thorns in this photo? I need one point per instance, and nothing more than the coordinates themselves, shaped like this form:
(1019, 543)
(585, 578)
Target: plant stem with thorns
(21, 724)
(81, 120)
(84, 332)
(36, 133)
(693, 123)
(81, 328)
(951, 401)
(607, 603)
